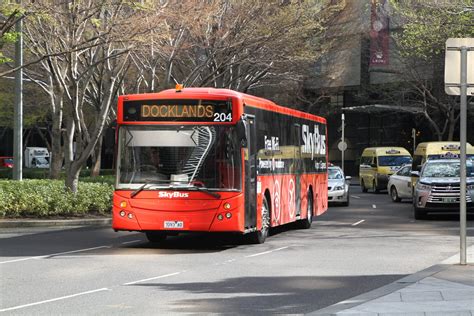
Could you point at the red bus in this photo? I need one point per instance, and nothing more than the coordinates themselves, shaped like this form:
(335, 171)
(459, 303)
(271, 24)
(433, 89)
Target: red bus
(216, 160)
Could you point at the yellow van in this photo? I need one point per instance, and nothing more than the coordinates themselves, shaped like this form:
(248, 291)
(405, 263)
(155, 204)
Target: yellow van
(378, 163)
(438, 150)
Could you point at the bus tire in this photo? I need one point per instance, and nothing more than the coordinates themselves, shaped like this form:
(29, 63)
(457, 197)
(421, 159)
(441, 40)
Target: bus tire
(306, 222)
(261, 235)
(155, 236)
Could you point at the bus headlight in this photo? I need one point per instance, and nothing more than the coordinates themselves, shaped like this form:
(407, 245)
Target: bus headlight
(122, 213)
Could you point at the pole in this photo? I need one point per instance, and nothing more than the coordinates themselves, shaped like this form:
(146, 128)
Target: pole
(18, 110)
(342, 141)
(463, 132)
(413, 135)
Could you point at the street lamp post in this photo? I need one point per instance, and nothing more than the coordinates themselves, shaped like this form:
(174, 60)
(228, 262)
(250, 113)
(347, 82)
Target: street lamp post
(342, 140)
(18, 110)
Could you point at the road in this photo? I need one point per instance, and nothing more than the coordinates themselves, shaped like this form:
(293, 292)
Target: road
(347, 252)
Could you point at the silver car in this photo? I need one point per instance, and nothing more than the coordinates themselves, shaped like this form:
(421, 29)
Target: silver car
(400, 185)
(338, 186)
(438, 187)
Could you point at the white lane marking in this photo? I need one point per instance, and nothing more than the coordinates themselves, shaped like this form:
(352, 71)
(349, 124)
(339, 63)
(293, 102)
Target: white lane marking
(355, 196)
(130, 242)
(374, 206)
(154, 278)
(53, 299)
(359, 222)
(266, 252)
(54, 254)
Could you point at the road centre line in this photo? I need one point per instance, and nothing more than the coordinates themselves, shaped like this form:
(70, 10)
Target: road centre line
(154, 278)
(54, 254)
(266, 252)
(355, 196)
(53, 299)
(359, 222)
(131, 242)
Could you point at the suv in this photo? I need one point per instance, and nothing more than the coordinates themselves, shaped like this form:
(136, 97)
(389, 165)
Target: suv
(438, 186)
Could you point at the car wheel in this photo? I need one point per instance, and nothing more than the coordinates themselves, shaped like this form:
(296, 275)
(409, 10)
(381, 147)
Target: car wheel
(260, 236)
(346, 203)
(362, 186)
(374, 186)
(394, 194)
(155, 236)
(419, 213)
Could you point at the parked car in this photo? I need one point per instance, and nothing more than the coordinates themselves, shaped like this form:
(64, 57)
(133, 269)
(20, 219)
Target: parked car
(400, 185)
(438, 187)
(6, 162)
(338, 186)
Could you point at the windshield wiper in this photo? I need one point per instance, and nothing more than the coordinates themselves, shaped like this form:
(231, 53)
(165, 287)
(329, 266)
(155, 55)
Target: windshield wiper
(140, 189)
(205, 190)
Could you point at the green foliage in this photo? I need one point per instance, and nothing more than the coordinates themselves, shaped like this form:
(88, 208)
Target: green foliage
(43, 198)
(427, 25)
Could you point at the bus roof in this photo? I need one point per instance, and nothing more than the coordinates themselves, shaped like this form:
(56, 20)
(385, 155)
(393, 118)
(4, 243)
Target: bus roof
(211, 93)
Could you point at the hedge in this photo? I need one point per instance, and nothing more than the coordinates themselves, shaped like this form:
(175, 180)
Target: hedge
(37, 173)
(44, 198)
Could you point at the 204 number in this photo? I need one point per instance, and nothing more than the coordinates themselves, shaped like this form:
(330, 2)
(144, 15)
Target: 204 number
(222, 117)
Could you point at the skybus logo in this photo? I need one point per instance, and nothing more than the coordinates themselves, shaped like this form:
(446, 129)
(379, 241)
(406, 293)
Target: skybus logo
(172, 195)
(313, 143)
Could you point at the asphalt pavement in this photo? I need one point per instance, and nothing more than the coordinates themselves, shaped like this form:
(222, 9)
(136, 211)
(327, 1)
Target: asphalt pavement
(446, 288)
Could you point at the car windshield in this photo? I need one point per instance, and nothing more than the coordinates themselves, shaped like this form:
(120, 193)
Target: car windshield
(334, 174)
(446, 169)
(179, 156)
(393, 161)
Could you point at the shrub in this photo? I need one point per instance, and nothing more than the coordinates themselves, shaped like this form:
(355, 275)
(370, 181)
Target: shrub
(42, 198)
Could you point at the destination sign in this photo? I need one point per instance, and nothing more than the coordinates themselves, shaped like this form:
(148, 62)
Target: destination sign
(178, 110)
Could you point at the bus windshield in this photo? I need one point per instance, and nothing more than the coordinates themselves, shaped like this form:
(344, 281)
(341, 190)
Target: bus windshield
(178, 157)
(392, 161)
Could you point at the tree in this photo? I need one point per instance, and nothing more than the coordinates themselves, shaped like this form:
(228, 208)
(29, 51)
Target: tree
(240, 45)
(94, 40)
(10, 14)
(426, 27)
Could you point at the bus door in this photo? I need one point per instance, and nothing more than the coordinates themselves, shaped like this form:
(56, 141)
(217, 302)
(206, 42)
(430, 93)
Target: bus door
(251, 174)
(298, 166)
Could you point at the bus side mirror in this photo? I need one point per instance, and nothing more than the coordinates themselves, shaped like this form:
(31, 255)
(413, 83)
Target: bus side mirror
(242, 131)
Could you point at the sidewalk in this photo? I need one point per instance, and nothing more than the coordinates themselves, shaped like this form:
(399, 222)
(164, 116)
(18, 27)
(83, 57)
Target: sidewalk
(443, 289)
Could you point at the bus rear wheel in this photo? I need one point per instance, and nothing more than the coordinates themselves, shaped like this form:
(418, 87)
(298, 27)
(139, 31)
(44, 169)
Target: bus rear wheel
(155, 236)
(259, 236)
(306, 222)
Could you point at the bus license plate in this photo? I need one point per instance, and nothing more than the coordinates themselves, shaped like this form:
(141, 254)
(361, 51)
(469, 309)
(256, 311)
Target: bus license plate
(174, 224)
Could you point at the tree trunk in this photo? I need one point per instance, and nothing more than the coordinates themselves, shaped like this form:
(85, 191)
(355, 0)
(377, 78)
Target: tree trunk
(57, 155)
(96, 158)
(72, 178)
